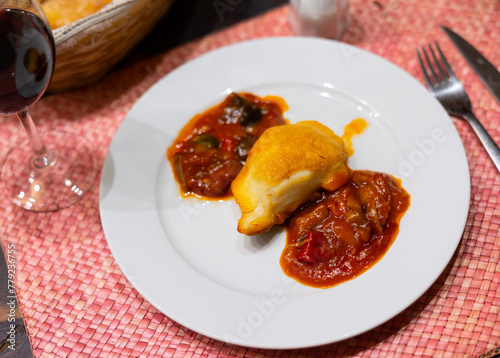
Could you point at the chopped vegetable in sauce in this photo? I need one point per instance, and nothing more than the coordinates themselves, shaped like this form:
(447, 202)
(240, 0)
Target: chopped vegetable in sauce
(338, 235)
(212, 148)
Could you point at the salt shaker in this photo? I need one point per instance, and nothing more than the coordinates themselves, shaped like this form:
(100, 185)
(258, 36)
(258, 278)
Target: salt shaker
(321, 18)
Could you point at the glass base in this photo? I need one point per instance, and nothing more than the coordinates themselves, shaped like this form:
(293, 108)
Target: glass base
(56, 186)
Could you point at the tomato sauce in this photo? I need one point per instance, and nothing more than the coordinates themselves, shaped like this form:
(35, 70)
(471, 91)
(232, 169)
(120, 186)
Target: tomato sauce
(211, 149)
(336, 236)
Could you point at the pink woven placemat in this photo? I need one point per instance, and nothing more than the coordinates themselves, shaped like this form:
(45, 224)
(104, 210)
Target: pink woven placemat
(76, 301)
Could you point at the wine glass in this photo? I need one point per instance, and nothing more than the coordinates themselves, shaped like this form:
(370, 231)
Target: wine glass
(48, 171)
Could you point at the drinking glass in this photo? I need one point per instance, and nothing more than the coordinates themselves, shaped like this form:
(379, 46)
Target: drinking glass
(47, 171)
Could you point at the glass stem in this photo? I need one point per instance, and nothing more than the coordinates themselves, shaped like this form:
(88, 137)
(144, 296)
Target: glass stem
(42, 158)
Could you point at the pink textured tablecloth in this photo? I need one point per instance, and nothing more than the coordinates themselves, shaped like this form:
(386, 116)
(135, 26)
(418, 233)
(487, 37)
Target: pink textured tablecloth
(77, 303)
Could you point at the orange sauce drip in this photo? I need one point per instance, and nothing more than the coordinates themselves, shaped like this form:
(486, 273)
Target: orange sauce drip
(354, 128)
(279, 101)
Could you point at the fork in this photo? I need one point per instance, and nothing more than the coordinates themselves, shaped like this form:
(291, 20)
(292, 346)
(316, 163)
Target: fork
(449, 91)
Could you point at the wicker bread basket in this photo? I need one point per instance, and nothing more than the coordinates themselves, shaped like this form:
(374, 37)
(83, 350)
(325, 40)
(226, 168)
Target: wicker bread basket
(88, 48)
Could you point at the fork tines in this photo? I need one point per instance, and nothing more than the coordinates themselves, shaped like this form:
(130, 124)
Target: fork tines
(445, 71)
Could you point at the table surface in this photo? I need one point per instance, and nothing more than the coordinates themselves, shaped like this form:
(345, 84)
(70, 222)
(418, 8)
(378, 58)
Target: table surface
(74, 298)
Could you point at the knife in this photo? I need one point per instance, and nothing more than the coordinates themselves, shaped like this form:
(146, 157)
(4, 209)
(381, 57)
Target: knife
(488, 74)
(14, 341)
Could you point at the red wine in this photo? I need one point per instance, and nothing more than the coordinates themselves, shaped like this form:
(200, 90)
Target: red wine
(26, 59)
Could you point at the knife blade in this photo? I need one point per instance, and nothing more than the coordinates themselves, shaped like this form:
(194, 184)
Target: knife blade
(14, 340)
(486, 72)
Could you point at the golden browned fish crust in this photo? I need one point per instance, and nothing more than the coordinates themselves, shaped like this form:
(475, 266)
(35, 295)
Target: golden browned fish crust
(284, 167)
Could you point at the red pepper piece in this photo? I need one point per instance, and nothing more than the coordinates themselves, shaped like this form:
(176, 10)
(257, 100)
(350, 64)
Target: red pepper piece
(229, 144)
(315, 248)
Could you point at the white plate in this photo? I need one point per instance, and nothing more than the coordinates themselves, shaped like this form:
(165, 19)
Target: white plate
(187, 259)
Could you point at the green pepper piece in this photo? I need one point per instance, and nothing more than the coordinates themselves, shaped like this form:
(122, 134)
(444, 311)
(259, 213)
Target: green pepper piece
(207, 140)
